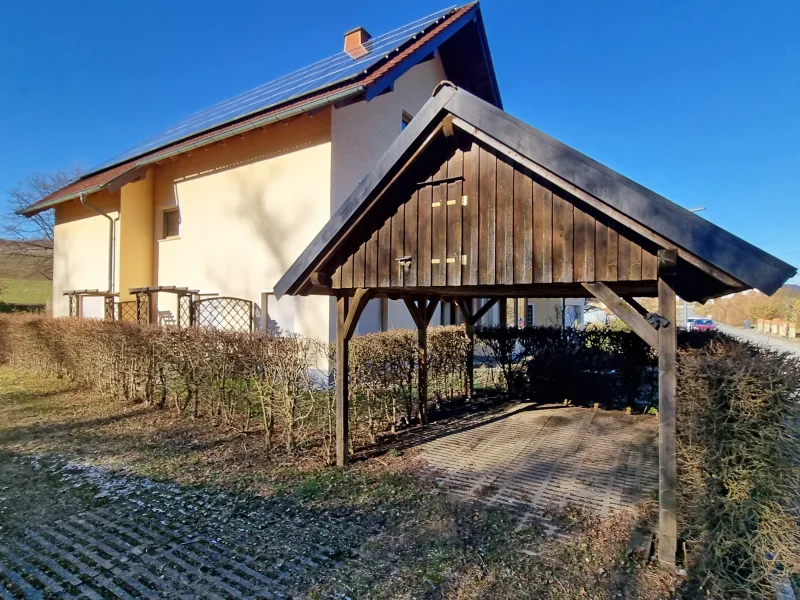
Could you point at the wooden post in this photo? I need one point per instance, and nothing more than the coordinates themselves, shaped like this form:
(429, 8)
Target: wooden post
(667, 384)
(347, 313)
(503, 317)
(470, 327)
(422, 371)
(342, 385)
(422, 311)
(470, 319)
(665, 341)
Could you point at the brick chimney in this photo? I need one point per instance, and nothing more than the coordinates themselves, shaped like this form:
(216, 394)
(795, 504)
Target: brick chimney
(355, 42)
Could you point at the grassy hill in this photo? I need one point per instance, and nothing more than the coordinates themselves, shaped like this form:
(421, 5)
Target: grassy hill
(25, 273)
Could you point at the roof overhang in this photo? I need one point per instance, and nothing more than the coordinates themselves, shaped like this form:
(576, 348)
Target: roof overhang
(718, 261)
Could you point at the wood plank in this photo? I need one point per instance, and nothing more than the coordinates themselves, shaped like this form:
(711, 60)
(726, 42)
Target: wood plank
(439, 229)
(542, 232)
(455, 168)
(469, 270)
(504, 242)
(385, 254)
(624, 311)
(347, 272)
(371, 261)
(613, 255)
(487, 215)
(667, 464)
(587, 273)
(636, 262)
(624, 258)
(601, 251)
(579, 243)
(562, 238)
(410, 240)
(523, 227)
(424, 236)
(649, 265)
(398, 246)
(336, 278)
(358, 266)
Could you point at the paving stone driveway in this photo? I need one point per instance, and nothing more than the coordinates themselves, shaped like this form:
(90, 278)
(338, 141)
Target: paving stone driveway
(142, 539)
(532, 459)
(155, 540)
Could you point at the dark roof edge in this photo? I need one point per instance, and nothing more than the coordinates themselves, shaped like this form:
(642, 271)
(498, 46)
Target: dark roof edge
(711, 243)
(728, 252)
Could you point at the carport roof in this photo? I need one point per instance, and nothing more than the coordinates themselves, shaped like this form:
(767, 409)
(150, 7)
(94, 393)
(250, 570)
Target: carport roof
(728, 263)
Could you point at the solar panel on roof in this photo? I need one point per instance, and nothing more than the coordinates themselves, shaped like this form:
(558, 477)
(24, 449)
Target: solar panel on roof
(321, 74)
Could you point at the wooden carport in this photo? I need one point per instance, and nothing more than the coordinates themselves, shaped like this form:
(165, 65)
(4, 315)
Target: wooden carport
(470, 203)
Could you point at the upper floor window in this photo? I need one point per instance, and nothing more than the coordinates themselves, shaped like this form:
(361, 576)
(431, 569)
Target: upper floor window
(406, 119)
(170, 223)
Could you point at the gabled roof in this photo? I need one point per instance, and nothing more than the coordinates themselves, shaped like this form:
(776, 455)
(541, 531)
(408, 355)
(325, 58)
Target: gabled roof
(457, 34)
(719, 261)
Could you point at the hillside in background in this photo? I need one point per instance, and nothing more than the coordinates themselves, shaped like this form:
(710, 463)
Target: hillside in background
(25, 272)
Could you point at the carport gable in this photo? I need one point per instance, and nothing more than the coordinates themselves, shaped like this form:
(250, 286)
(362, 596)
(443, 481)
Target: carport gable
(466, 216)
(470, 198)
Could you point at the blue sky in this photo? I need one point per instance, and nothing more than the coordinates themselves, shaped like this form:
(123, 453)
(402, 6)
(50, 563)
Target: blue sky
(699, 101)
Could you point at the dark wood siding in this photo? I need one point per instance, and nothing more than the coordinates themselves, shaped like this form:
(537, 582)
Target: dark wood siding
(489, 221)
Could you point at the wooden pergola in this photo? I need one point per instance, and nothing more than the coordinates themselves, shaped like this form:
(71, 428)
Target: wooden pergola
(470, 203)
(76, 300)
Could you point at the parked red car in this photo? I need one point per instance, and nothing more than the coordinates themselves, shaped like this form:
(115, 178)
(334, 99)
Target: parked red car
(704, 325)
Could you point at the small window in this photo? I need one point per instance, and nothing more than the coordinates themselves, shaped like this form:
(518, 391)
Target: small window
(530, 319)
(170, 223)
(407, 116)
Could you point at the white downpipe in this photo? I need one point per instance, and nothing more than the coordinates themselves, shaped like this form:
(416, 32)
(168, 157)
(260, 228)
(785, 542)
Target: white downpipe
(112, 226)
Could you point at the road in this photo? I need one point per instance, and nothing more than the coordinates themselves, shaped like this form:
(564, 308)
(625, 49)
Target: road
(752, 335)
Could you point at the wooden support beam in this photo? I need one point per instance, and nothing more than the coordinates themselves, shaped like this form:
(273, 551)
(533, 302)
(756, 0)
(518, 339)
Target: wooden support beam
(624, 311)
(487, 306)
(667, 387)
(470, 319)
(342, 384)
(347, 313)
(636, 305)
(357, 305)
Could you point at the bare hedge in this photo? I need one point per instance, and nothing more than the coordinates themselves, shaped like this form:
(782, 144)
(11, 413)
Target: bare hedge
(278, 386)
(739, 467)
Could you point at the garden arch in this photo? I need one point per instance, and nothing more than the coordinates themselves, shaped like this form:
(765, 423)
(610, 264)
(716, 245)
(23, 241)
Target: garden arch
(469, 202)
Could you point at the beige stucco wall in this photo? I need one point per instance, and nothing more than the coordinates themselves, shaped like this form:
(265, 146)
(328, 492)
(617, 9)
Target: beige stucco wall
(80, 256)
(248, 207)
(360, 134)
(136, 236)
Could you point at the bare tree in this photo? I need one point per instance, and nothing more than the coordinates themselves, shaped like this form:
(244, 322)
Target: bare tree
(33, 236)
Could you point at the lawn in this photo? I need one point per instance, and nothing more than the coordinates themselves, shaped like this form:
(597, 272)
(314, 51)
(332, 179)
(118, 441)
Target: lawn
(25, 291)
(126, 477)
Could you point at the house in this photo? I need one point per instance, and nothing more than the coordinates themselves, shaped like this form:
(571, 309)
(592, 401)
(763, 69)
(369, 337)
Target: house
(224, 202)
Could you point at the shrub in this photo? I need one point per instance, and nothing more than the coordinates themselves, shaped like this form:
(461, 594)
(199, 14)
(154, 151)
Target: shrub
(584, 366)
(738, 453)
(252, 382)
